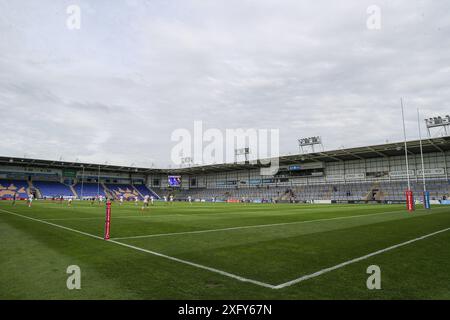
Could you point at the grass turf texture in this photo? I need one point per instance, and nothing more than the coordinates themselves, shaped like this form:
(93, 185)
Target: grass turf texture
(297, 240)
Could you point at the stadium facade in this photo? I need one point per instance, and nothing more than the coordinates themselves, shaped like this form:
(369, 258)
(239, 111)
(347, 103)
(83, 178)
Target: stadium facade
(372, 173)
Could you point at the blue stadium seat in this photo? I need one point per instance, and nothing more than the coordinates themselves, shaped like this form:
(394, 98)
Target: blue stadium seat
(9, 187)
(89, 190)
(53, 189)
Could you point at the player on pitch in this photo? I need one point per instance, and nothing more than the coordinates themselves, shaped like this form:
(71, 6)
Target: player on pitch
(30, 199)
(14, 198)
(145, 205)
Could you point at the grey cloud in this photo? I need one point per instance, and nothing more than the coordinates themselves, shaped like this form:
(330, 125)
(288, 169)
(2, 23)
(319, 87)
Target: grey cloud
(137, 70)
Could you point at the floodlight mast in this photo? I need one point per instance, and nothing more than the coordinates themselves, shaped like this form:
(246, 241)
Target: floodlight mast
(241, 152)
(309, 142)
(437, 122)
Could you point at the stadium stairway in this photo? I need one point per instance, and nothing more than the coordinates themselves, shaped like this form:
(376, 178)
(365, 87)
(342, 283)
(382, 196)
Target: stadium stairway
(374, 193)
(138, 192)
(144, 190)
(284, 197)
(74, 191)
(330, 192)
(300, 192)
(108, 192)
(156, 194)
(31, 187)
(379, 194)
(368, 195)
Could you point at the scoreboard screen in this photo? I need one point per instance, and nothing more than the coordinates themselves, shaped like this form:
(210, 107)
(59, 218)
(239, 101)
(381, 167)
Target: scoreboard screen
(174, 181)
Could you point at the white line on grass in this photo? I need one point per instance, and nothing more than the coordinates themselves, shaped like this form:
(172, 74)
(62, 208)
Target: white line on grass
(52, 224)
(231, 275)
(346, 263)
(297, 212)
(224, 273)
(102, 217)
(252, 226)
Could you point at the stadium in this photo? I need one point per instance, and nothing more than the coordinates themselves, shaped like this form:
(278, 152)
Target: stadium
(250, 152)
(308, 232)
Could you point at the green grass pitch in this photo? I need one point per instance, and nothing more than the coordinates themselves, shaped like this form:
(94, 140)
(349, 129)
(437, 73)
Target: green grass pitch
(223, 251)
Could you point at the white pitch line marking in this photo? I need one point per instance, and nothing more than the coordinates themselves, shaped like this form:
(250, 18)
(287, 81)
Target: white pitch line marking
(231, 275)
(224, 273)
(252, 226)
(346, 263)
(52, 224)
(103, 218)
(203, 215)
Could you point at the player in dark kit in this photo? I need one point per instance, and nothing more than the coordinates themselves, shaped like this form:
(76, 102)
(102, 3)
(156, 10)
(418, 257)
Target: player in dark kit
(14, 199)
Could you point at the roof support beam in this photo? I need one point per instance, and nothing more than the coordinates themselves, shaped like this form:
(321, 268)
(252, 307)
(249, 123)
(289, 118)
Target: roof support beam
(353, 155)
(377, 152)
(331, 157)
(432, 143)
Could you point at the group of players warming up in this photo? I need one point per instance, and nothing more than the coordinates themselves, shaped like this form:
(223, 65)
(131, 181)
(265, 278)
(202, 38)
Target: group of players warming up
(100, 199)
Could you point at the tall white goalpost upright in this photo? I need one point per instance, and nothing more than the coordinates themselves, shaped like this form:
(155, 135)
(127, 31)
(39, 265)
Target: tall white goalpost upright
(426, 194)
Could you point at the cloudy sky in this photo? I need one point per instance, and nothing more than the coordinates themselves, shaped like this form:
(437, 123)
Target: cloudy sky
(115, 89)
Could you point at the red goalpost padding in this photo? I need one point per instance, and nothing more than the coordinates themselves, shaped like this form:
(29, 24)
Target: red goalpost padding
(410, 200)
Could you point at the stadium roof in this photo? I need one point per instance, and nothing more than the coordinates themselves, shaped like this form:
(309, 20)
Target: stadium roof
(440, 144)
(39, 163)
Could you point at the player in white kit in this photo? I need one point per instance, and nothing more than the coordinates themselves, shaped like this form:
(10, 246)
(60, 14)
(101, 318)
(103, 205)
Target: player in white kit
(121, 200)
(145, 202)
(30, 199)
(152, 199)
(190, 199)
(136, 201)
